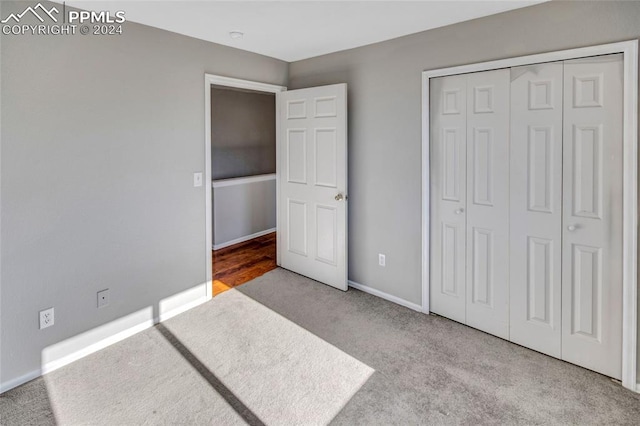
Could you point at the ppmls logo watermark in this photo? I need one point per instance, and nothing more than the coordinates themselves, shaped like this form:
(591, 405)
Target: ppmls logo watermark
(39, 20)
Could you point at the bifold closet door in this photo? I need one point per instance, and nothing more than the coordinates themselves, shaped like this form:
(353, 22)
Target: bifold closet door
(526, 216)
(536, 207)
(470, 199)
(448, 136)
(488, 201)
(592, 214)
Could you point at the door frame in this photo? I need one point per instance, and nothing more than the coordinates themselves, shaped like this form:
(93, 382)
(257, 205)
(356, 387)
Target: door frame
(219, 80)
(629, 50)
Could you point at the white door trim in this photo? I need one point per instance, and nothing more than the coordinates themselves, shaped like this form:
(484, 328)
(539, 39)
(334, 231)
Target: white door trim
(629, 49)
(219, 80)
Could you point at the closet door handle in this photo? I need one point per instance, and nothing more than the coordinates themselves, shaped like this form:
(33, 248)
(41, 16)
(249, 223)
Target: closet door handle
(572, 228)
(459, 211)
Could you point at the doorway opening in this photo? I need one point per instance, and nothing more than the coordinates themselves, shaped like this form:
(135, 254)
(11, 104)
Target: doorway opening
(310, 179)
(241, 128)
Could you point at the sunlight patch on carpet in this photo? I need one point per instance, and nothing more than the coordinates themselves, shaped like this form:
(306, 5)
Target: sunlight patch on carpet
(228, 361)
(280, 371)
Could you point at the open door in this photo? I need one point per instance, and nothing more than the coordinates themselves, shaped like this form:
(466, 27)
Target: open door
(312, 181)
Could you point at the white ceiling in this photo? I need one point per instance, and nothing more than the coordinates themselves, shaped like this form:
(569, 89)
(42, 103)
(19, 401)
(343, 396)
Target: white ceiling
(295, 30)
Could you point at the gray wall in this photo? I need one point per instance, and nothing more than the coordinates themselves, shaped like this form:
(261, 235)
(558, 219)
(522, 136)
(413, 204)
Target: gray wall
(100, 138)
(243, 210)
(243, 133)
(384, 82)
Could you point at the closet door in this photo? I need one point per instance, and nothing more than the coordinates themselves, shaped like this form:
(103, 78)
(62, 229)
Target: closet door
(488, 201)
(536, 207)
(448, 195)
(592, 214)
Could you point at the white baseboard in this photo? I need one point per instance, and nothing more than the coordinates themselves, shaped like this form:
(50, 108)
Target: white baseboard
(14, 383)
(243, 239)
(77, 347)
(182, 302)
(385, 296)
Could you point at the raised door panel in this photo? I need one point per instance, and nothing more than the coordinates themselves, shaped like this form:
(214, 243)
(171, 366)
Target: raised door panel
(592, 214)
(326, 234)
(587, 171)
(586, 291)
(483, 263)
(450, 282)
(487, 215)
(448, 196)
(325, 157)
(536, 207)
(297, 156)
(482, 166)
(297, 227)
(451, 141)
(540, 282)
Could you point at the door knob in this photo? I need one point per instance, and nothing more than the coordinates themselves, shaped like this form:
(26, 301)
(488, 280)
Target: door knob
(459, 211)
(339, 197)
(572, 227)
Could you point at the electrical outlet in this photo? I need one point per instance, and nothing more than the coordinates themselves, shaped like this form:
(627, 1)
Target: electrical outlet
(382, 260)
(103, 298)
(46, 318)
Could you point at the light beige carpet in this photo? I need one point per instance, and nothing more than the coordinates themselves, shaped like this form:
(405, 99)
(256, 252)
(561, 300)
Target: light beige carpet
(229, 361)
(428, 370)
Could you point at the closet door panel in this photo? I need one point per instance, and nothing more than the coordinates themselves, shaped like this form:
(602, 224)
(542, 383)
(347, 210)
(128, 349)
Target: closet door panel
(536, 207)
(488, 201)
(448, 196)
(592, 214)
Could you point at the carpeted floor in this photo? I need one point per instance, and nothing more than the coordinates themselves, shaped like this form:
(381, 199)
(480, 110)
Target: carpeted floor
(348, 358)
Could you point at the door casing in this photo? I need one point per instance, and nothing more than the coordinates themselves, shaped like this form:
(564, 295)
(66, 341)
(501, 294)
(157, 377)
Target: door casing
(629, 50)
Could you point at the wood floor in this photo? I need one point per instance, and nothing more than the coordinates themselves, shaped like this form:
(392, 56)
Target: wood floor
(240, 263)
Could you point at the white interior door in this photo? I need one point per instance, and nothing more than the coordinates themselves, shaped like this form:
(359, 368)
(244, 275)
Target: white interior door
(488, 201)
(592, 214)
(312, 168)
(536, 207)
(448, 196)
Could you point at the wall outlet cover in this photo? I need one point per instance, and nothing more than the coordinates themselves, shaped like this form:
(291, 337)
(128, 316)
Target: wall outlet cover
(46, 318)
(103, 298)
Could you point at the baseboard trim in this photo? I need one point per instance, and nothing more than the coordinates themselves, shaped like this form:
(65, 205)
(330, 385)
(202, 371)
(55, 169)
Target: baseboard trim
(385, 296)
(180, 309)
(243, 239)
(176, 305)
(19, 381)
(95, 347)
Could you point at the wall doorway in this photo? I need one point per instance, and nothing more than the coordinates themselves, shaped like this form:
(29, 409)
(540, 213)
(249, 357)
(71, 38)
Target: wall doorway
(241, 166)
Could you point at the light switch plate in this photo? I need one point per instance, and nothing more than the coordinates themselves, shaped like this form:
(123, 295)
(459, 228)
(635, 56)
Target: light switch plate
(197, 179)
